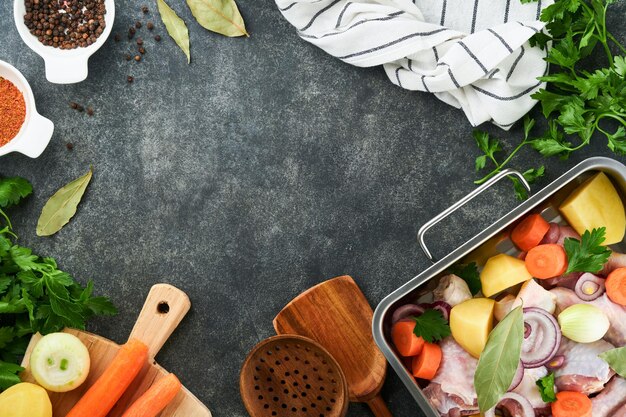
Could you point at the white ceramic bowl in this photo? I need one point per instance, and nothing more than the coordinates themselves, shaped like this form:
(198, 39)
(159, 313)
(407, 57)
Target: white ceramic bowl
(36, 131)
(63, 66)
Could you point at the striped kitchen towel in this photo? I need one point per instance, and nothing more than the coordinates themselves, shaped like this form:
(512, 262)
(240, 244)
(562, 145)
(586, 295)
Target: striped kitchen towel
(472, 54)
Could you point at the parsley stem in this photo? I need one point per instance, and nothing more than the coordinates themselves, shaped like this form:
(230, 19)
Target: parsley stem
(499, 167)
(6, 218)
(616, 42)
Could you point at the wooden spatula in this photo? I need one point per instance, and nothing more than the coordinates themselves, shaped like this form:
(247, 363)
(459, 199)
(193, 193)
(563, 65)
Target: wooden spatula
(163, 310)
(337, 315)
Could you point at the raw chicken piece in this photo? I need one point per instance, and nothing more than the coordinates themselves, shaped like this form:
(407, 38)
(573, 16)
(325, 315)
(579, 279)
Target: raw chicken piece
(615, 312)
(611, 402)
(528, 387)
(616, 260)
(583, 370)
(452, 391)
(534, 295)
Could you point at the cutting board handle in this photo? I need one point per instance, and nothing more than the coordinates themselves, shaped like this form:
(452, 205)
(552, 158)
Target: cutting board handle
(163, 310)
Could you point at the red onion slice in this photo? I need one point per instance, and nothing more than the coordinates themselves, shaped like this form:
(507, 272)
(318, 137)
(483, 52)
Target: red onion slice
(405, 311)
(514, 404)
(542, 337)
(519, 376)
(552, 235)
(555, 363)
(589, 287)
(443, 307)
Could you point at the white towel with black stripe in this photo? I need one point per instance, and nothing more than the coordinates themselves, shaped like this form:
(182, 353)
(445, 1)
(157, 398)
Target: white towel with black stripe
(472, 54)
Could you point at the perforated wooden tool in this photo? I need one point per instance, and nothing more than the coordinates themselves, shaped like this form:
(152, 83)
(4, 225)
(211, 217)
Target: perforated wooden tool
(163, 310)
(292, 376)
(337, 315)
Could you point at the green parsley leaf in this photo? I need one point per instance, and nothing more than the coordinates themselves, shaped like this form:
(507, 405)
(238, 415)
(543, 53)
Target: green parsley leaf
(9, 374)
(468, 273)
(546, 388)
(617, 141)
(587, 255)
(12, 190)
(431, 326)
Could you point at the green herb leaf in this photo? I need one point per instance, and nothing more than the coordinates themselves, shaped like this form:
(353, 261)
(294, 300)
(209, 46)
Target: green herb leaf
(616, 358)
(220, 16)
(431, 326)
(175, 26)
(61, 207)
(12, 190)
(9, 374)
(469, 273)
(546, 388)
(499, 360)
(587, 254)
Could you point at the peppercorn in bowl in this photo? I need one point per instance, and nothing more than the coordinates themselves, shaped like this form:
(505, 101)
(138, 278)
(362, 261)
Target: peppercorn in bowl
(23, 129)
(65, 33)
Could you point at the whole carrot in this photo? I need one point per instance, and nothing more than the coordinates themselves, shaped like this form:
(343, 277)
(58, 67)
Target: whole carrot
(156, 398)
(107, 390)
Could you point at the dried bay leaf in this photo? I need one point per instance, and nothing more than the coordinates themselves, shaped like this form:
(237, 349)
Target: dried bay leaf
(499, 360)
(175, 26)
(220, 16)
(61, 207)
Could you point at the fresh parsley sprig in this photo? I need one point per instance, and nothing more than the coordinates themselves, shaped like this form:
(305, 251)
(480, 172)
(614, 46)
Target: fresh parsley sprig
(431, 326)
(546, 388)
(587, 254)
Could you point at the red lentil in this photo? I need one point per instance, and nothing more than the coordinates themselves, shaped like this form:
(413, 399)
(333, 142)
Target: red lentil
(12, 111)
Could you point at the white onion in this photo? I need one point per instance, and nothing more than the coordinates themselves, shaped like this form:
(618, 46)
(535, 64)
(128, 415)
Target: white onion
(583, 323)
(60, 362)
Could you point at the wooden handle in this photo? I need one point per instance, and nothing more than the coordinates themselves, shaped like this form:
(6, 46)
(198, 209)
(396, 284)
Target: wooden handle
(163, 310)
(378, 407)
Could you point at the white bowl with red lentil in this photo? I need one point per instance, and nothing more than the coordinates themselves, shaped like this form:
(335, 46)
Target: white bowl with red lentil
(23, 129)
(64, 33)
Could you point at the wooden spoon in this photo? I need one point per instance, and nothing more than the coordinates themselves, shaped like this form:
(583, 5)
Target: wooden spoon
(337, 315)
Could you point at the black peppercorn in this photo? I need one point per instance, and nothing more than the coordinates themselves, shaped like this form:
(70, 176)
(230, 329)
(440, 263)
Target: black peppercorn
(117, 37)
(138, 24)
(150, 25)
(69, 146)
(139, 41)
(90, 111)
(144, 9)
(157, 38)
(130, 79)
(128, 57)
(142, 50)
(74, 105)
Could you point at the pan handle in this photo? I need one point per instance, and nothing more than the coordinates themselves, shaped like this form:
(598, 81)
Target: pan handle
(422, 231)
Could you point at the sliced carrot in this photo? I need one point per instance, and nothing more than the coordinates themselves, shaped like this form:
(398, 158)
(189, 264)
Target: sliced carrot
(109, 387)
(571, 404)
(156, 398)
(616, 286)
(529, 232)
(425, 365)
(546, 261)
(405, 341)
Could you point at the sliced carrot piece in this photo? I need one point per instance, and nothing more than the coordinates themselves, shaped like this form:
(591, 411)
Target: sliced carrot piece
(546, 261)
(529, 232)
(156, 398)
(405, 341)
(109, 387)
(571, 404)
(616, 286)
(426, 365)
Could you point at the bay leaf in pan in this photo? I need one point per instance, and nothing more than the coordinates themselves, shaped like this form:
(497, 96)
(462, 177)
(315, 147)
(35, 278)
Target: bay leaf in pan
(499, 360)
(175, 26)
(220, 16)
(61, 207)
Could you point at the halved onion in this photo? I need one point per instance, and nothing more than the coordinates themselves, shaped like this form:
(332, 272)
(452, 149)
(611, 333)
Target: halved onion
(514, 404)
(405, 311)
(589, 287)
(583, 323)
(60, 362)
(542, 337)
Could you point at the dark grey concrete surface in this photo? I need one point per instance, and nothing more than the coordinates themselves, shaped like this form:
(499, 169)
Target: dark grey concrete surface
(261, 169)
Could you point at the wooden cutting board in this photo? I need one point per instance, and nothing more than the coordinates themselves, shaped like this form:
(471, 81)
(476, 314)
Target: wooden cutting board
(337, 315)
(163, 310)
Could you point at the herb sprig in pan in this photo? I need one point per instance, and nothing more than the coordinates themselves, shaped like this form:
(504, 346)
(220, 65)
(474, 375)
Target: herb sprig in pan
(577, 103)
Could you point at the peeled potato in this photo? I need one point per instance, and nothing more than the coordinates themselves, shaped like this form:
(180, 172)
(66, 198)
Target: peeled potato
(471, 322)
(25, 400)
(595, 204)
(501, 272)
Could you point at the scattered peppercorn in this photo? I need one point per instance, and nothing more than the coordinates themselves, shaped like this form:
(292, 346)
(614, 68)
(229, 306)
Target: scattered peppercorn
(128, 57)
(130, 79)
(137, 58)
(138, 24)
(89, 111)
(117, 37)
(80, 108)
(139, 41)
(69, 146)
(74, 105)
(144, 9)
(157, 38)
(150, 25)
(142, 50)
(131, 32)
(66, 25)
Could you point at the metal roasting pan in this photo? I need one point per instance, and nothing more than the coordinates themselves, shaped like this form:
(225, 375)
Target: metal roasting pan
(490, 241)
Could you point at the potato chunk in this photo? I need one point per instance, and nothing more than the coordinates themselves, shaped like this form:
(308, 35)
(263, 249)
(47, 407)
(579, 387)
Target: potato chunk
(501, 272)
(471, 322)
(595, 204)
